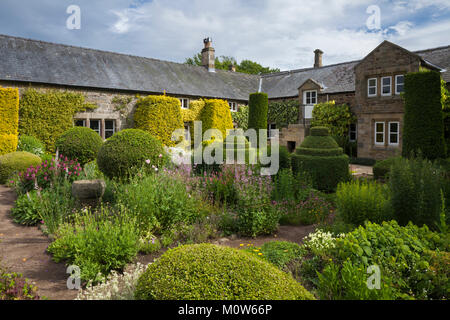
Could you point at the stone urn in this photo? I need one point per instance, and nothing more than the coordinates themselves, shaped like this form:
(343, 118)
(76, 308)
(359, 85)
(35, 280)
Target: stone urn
(88, 190)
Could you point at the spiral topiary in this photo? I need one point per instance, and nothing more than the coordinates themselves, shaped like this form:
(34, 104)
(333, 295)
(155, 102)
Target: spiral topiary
(210, 272)
(79, 143)
(321, 157)
(130, 149)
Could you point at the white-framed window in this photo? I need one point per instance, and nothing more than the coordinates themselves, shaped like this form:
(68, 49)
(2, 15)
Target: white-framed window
(270, 128)
(110, 128)
(379, 133)
(80, 123)
(399, 84)
(372, 87)
(233, 106)
(184, 103)
(310, 97)
(386, 86)
(394, 133)
(96, 125)
(353, 132)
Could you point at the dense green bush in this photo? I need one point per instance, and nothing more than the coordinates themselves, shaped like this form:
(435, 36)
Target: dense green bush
(359, 201)
(16, 162)
(337, 118)
(320, 156)
(31, 144)
(415, 187)
(283, 155)
(258, 108)
(382, 168)
(283, 113)
(229, 274)
(13, 286)
(79, 143)
(26, 210)
(127, 150)
(423, 131)
(363, 161)
(98, 243)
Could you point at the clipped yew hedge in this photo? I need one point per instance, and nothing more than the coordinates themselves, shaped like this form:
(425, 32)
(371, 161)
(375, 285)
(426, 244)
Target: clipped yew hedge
(423, 127)
(80, 143)
(258, 109)
(9, 120)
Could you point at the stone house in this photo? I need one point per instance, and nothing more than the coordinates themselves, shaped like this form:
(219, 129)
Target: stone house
(114, 81)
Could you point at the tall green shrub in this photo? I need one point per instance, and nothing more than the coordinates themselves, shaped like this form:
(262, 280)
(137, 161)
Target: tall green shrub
(415, 186)
(423, 127)
(258, 108)
(80, 143)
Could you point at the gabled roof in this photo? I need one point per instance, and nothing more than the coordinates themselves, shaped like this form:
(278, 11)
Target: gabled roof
(44, 62)
(313, 81)
(438, 56)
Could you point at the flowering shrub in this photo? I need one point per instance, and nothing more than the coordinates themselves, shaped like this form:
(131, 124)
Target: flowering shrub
(320, 241)
(116, 286)
(14, 287)
(315, 209)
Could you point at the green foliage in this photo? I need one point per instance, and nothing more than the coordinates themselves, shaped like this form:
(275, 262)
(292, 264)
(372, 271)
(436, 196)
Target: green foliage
(282, 254)
(160, 116)
(283, 113)
(257, 115)
(423, 131)
(79, 143)
(320, 156)
(26, 210)
(313, 210)
(31, 144)
(240, 117)
(363, 161)
(359, 201)
(16, 162)
(230, 274)
(9, 119)
(284, 157)
(224, 63)
(216, 114)
(128, 150)
(13, 286)
(382, 168)
(337, 118)
(47, 115)
(98, 243)
(415, 187)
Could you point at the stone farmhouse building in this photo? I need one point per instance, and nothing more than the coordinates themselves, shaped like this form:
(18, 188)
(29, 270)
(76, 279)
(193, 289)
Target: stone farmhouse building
(371, 86)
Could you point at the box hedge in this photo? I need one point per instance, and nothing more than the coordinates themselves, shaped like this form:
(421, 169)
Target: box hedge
(423, 127)
(210, 272)
(320, 156)
(160, 116)
(16, 162)
(9, 120)
(216, 114)
(47, 115)
(80, 143)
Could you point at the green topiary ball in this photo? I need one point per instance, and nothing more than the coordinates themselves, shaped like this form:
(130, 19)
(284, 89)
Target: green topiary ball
(16, 162)
(210, 272)
(320, 156)
(31, 144)
(127, 150)
(79, 143)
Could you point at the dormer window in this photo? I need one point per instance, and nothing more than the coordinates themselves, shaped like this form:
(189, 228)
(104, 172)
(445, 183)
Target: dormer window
(310, 97)
(386, 86)
(184, 103)
(372, 87)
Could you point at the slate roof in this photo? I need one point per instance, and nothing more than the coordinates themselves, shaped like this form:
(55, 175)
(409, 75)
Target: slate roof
(43, 62)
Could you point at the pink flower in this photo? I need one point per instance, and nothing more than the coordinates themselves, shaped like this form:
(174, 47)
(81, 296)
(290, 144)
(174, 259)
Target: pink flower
(160, 155)
(147, 161)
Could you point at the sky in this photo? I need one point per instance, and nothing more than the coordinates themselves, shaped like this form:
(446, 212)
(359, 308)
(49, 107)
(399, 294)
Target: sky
(276, 33)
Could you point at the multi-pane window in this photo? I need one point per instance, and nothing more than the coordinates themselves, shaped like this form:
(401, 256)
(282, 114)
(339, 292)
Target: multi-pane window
(80, 123)
(110, 128)
(233, 106)
(352, 133)
(310, 97)
(96, 125)
(379, 133)
(399, 84)
(386, 86)
(372, 87)
(184, 103)
(394, 133)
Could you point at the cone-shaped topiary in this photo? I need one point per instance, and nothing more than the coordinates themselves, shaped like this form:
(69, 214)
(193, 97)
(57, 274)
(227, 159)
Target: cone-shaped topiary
(79, 143)
(210, 272)
(320, 156)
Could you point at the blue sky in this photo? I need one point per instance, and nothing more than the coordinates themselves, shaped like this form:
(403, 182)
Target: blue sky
(276, 33)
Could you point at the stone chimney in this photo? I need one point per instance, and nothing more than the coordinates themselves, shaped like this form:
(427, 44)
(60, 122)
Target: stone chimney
(232, 68)
(318, 58)
(208, 55)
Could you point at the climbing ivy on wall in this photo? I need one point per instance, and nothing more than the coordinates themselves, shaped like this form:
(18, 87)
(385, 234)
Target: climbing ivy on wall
(337, 118)
(46, 115)
(9, 119)
(284, 113)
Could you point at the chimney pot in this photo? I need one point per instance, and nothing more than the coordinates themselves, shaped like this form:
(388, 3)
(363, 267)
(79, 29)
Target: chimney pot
(318, 58)
(208, 55)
